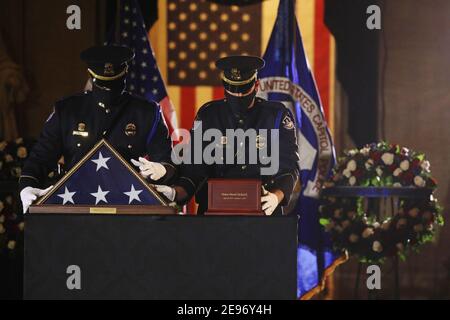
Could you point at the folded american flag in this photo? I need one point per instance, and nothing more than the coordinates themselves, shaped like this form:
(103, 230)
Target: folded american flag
(102, 177)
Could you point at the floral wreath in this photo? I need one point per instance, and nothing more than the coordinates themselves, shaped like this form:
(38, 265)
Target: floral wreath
(12, 156)
(354, 229)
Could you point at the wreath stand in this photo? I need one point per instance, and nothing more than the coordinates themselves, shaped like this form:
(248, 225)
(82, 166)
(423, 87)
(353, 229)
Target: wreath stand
(381, 202)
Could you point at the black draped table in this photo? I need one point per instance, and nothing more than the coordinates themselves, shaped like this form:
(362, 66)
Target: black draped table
(160, 257)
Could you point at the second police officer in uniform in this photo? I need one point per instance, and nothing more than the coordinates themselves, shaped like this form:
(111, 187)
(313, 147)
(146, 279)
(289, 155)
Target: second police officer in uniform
(241, 109)
(133, 125)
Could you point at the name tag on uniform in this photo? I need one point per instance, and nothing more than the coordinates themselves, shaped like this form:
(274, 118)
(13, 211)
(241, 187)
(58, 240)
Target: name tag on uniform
(80, 133)
(81, 130)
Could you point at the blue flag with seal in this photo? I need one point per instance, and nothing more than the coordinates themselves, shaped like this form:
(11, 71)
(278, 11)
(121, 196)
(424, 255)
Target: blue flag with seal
(287, 78)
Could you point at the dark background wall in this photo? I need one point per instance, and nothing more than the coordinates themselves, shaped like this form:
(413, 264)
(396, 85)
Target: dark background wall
(36, 37)
(413, 107)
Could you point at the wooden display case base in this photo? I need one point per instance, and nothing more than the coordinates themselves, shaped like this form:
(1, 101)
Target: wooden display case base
(104, 209)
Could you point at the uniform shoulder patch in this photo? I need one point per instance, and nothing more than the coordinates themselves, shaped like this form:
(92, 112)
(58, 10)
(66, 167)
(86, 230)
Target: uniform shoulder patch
(288, 123)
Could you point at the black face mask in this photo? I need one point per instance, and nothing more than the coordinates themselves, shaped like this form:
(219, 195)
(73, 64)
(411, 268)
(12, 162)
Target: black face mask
(240, 104)
(108, 93)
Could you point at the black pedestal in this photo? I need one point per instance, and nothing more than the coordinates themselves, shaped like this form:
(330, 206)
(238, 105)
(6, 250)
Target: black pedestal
(161, 257)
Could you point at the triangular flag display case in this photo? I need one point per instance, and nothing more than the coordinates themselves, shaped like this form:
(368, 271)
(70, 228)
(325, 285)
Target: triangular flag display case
(102, 182)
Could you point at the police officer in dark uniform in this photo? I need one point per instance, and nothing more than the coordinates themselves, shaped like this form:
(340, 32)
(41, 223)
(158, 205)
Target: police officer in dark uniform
(241, 109)
(133, 125)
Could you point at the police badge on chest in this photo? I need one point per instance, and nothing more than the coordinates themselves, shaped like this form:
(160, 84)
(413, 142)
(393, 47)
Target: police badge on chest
(81, 130)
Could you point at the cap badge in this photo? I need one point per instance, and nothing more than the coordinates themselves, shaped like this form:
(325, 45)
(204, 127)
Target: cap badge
(130, 129)
(109, 70)
(235, 74)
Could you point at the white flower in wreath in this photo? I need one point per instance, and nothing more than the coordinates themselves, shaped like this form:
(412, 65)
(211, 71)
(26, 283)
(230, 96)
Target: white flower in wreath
(11, 244)
(369, 164)
(425, 165)
(352, 180)
(397, 172)
(404, 165)
(419, 181)
(388, 158)
(347, 173)
(352, 152)
(365, 151)
(418, 228)
(379, 171)
(397, 185)
(353, 238)
(377, 247)
(376, 225)
(367, 233)
(351, 165)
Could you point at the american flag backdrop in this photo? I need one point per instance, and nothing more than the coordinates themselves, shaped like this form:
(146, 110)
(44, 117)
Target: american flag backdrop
(190, 35)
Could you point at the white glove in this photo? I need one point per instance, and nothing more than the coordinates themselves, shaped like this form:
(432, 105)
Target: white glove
(29, 194)
(269, 202)
(154, 170)
(167, 191)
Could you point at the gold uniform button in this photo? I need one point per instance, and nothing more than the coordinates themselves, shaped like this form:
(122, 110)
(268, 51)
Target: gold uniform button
(78, 144)
(243, 167)
(130, 146)
(104, 132)
(107, 111)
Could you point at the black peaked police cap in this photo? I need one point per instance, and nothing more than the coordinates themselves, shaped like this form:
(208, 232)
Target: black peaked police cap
(107, 63)
(239, 72)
